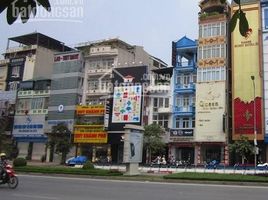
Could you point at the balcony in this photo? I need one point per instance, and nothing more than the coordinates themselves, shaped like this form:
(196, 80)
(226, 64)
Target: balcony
(21, 48)
(95, 92)
(107, 71)
(28, 93)
(185, 67)
(41, 93)
(159, 88)
(184, 111)
(185, 88)
(4, 62)
(32, 112)
(25, 93)
(102, 51)
(163, 110)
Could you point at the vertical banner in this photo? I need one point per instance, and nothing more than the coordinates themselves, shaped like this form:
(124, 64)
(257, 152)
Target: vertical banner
(247, 93)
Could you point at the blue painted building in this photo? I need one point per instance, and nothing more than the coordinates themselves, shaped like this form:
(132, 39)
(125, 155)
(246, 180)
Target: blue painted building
(181, 140)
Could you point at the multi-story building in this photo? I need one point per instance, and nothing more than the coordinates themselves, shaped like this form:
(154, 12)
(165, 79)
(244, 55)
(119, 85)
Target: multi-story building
(30, 118)
(30, 60)
(211, 136)
(264, 5)
(160, 97)
(102, 59)
(66, 90)
(181, 141)
(3, 73)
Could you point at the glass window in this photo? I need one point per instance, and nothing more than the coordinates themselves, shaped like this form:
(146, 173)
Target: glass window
(37, 103)
(155, 102)
(185, 123)
(266, 18)
(166, 102)
(161, 102)
(177, 122)
(186, 101)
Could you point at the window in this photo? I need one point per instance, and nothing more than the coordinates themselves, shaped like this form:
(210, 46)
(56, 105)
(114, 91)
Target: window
(93, 85)
(185, 123)
(211, 74)
(161, 101)
(15, 73)
(178, 81)
(211, 30)
(37, 103)
(162, 120)
(186, 79)
(186, 101)
(177, 122)
(166, 102)
(212, 51)
(13, 85)
(178, 101)
(266, 18)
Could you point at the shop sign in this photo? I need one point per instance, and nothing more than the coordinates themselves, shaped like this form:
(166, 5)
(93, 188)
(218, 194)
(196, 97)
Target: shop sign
(28, 126)
(181, 132)
(90, 110)
(88, 135)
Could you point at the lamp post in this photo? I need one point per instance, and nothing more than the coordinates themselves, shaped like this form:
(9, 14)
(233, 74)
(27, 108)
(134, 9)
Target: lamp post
(254, 123)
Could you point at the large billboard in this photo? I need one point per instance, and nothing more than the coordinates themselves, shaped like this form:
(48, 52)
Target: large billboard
(127, 98)
(247, 77)
(127, 104)
(210, 109)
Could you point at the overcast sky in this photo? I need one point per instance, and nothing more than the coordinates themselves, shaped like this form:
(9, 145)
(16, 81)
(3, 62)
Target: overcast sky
(153, 24)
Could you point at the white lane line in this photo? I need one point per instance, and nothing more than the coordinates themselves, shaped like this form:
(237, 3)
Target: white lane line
(34, 196)
(149, 182)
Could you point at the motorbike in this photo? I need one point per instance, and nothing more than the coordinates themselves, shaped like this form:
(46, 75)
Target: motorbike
(10, 178)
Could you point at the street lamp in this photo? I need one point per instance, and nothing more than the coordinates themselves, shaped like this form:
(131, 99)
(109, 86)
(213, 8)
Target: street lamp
(254, 122)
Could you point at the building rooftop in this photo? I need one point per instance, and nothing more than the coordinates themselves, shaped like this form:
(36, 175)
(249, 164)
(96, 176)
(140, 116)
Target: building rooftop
(103, 42)
(41, 40)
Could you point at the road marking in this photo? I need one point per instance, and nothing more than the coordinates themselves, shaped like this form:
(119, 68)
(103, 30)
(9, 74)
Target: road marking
(148, 182)
(34, 197)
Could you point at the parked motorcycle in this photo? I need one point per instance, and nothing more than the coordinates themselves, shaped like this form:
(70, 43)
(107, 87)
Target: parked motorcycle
(9, 177)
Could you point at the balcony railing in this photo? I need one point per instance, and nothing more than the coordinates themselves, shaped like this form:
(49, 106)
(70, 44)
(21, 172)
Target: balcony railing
(185, 88)
(98, 91)
(158, 88)
(185, 66)
(184, 111)
(163, 110)
(21, 48)
(99, 71)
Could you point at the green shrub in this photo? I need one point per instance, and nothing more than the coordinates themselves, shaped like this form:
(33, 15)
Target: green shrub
(20, 162)
(88, 165)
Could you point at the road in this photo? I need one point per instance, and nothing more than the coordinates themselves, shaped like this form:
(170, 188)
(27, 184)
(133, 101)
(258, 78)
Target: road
(61, 188)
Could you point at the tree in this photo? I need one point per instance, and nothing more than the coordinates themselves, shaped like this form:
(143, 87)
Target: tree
(153, 142)
(242, 147)
(24, 8)
(27, 7)
(6, 141)
(60, 139)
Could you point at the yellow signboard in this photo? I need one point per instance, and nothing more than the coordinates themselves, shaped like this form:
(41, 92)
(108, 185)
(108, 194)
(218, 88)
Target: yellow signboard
(89, 135)
(90, 110)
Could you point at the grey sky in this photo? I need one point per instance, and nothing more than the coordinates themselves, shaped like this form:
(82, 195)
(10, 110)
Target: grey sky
(153, 24)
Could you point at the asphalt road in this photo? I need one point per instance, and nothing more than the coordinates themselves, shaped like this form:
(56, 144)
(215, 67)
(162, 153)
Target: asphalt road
(60, 188)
